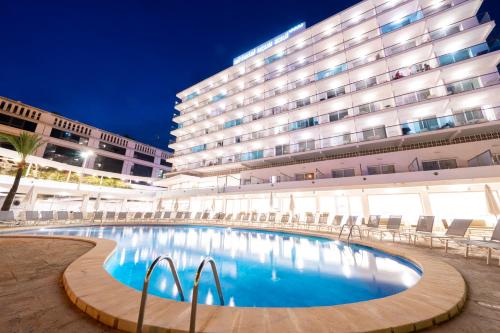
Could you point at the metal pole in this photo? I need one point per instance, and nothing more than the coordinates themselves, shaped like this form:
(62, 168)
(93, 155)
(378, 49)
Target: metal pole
(194, 301)
(144, 296)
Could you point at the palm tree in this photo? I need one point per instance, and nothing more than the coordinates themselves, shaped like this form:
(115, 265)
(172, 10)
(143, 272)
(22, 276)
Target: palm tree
(25, 144)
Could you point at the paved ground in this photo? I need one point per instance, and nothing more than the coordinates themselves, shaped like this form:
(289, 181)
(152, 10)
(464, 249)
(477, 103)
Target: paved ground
(32, 298)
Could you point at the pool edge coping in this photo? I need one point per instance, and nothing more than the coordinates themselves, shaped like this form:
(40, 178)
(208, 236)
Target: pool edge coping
(440, 295)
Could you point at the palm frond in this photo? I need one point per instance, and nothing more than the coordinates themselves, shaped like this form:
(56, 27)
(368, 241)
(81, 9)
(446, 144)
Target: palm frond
(25, 144)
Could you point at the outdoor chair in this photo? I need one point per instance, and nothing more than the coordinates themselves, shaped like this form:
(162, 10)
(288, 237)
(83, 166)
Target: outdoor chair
(62, 216)
(157, 216)
(77, 217)
(393, 228)
(97, 216)
(373, 224)
(228, 218)
(122, 217)
(32, 216)
(271, 219)
(110, 217)
(489, 245)
(336, 223)
(147, 216)
(424, 227)
(47, 216)
(7, 218)
(323, 220)
(166, 215)
(285, 219)
(456, 231)
(309, 221)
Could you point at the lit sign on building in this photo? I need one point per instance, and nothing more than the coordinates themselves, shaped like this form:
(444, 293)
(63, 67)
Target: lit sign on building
(270, 43)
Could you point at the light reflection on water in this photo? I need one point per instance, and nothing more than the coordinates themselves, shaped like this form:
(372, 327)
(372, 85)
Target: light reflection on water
(257, 268)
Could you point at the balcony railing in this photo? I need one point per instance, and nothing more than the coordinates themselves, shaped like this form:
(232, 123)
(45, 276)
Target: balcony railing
(422, 66)
(458, 119)
(397, 101)
(315, 57)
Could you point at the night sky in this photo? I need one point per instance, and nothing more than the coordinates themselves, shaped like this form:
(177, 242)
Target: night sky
(118, 64)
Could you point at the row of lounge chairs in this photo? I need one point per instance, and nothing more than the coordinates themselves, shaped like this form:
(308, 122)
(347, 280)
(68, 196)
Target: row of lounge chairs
(456, 232)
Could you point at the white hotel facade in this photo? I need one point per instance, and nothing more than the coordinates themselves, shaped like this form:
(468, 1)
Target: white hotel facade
(388, 107)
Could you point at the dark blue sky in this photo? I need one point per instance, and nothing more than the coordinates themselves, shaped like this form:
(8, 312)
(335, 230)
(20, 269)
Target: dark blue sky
(118, 64)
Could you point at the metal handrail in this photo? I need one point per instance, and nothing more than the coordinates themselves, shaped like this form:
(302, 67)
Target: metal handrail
(144, 297)
(351, 227)
(194, 302)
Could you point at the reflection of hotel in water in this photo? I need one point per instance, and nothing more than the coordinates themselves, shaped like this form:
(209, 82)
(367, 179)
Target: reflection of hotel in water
(308, 255)
(388, 107)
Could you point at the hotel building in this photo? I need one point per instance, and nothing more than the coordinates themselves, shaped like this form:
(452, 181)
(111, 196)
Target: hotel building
(388, 107)
(68, 141)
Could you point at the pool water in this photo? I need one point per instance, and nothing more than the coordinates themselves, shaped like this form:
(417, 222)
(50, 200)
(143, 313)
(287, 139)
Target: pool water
(256, 268)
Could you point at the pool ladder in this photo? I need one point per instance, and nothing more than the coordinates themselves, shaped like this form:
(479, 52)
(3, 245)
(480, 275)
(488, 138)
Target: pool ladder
(194, 302)
(351, 228)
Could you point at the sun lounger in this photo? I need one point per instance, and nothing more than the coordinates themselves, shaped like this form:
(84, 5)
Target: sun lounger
(62, 216)
(7, 218)
(489, 245)
(456, 231)
(424, 228)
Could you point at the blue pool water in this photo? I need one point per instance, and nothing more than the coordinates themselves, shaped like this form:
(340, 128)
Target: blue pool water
(257, 268)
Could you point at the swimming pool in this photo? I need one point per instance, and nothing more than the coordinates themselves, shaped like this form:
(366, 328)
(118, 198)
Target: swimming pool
(257, 268)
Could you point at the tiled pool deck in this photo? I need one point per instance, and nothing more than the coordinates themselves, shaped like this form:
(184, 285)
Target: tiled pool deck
(438, 296)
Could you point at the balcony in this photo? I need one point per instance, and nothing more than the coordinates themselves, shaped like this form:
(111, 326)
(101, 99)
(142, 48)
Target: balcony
(399, 132)
(425, 12)
(391, 50)
(423, 95)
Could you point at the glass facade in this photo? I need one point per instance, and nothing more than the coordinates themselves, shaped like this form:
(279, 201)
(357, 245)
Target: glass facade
(63, 155)
(401, 22)
(144, 157)
(141, 170)
(17, 123)
(68, 136)
(112, 148)
(108, 164)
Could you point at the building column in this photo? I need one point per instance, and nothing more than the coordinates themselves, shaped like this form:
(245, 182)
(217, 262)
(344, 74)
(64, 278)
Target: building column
(85, 202)
(124, 204)
(365, 205)
(425, 202)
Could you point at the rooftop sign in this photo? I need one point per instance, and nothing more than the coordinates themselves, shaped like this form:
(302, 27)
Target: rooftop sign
(270, 43)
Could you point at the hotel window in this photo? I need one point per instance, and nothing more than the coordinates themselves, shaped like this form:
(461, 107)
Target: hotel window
(453, 57)
(112, 148)
(329, 72)
(108, 164)
(303, 102)
(282, 150)
(231, 123)
(17, 123)
(402, 22)
(141, 170)
(63, 155)
(374, 134)
(439, 164)
(338, 115)
(303, 123)
(253, 155)
(144, 157)
(474, 115)
(304, 176)
(305, 145)
(68, 136)
(341, 173)
(198, 148)
(165, 163)
(381, 169)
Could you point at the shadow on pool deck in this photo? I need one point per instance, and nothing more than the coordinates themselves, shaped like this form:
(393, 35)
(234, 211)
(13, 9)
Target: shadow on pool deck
(32, 298)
